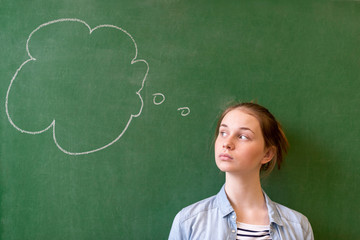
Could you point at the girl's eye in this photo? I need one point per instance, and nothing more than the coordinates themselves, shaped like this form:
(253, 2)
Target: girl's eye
(243, 137)
(223, 134)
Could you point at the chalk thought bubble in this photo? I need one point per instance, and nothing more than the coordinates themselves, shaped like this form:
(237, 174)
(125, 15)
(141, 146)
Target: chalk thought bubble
(184, 111)
(158, 99)
(81, 82)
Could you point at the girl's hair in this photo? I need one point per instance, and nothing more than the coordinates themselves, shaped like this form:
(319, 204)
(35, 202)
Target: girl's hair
(271, 130)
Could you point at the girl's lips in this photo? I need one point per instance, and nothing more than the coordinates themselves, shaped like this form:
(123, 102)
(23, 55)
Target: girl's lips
(225, 156)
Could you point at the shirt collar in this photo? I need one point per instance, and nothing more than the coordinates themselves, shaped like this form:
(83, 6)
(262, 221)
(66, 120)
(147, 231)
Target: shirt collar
(273, 211)
(223, 202)
(226, 208)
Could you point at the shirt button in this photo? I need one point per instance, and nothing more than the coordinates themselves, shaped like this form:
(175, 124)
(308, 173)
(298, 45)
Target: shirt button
(233, 231)
(233, 217)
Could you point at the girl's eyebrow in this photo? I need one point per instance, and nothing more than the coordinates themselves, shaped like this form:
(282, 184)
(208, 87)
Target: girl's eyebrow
(248, 129)
(241, 128)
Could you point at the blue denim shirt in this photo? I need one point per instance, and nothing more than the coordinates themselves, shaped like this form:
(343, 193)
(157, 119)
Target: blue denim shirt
(214, 218)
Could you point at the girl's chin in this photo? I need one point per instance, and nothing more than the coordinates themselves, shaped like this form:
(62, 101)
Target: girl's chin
(225, 167)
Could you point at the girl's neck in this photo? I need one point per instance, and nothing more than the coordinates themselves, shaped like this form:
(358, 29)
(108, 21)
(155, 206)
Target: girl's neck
(247, 199)
(246, 190)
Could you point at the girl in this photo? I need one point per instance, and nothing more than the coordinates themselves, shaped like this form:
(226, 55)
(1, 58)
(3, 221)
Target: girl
(249, 141)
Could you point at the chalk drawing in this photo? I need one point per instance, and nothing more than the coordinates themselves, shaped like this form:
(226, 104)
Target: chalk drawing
(158, 96)
(53, 123)
(184, 111)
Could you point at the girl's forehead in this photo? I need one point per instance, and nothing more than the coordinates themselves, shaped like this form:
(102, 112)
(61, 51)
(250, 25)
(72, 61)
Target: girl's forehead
(240, 117)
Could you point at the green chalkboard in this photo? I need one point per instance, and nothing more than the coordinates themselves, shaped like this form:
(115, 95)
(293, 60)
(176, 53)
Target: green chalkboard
(108, 110)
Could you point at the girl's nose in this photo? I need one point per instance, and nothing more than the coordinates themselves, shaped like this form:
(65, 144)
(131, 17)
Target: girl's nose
(228, 145)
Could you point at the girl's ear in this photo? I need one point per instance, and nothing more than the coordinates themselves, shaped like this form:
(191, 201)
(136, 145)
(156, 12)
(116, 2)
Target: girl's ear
(269, 154)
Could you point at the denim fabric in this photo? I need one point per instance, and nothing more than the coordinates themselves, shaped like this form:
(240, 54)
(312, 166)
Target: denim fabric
(214, 219)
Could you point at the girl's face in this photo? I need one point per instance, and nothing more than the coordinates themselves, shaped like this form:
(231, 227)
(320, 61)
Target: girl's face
(240, 145)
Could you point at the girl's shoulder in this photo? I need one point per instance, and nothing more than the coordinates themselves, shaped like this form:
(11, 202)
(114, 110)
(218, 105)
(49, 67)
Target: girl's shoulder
(197, 208)
(287, 217)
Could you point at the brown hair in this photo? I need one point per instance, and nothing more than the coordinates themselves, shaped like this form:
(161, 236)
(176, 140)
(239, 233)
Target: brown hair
(271, 130)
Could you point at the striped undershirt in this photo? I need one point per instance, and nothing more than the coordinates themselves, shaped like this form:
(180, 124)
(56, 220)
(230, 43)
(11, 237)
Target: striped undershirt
(252, 232)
